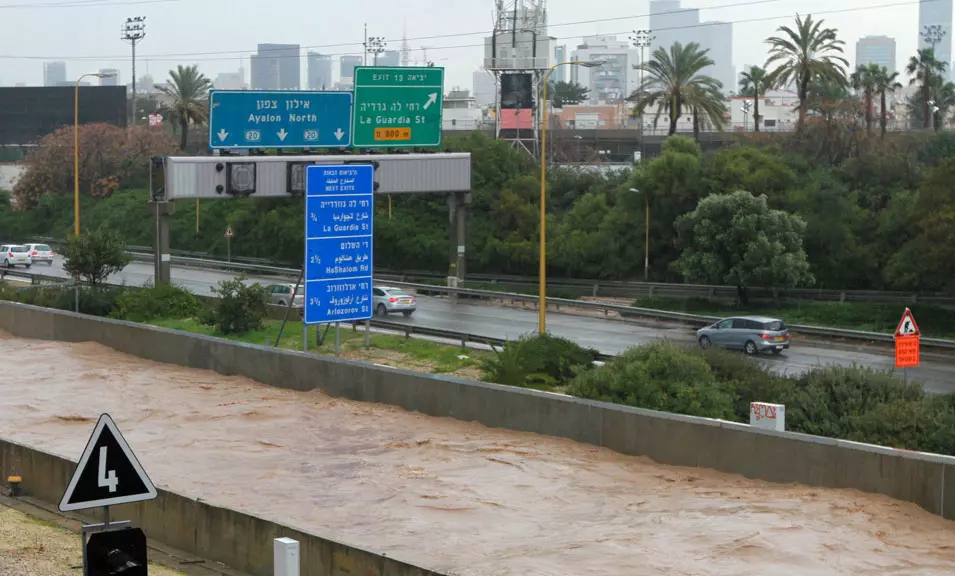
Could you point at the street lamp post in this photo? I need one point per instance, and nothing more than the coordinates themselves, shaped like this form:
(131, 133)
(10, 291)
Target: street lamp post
(542, 297)
(76, 170)
(646, 240)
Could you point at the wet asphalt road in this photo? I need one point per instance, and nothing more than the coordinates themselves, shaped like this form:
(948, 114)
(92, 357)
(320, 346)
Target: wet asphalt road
(937, 371)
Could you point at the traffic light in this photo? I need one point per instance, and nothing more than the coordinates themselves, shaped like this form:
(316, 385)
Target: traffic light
(117, 553)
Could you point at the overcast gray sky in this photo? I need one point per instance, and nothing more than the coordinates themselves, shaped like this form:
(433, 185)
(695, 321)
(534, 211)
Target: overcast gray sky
(218, 35)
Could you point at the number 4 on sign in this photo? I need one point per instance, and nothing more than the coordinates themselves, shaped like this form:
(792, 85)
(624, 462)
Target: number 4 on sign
(106, 481)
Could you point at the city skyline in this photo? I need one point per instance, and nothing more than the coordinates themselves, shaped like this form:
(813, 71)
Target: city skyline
(454, 32)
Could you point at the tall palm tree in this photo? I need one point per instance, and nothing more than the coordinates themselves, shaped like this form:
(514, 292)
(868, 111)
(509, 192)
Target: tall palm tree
(884, 84)
(799, 56)
(189, 90)
(752, 83)
(863, 81)
(923, 67)
(674, 83)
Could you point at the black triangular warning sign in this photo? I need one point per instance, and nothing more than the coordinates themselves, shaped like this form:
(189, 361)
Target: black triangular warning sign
(108, 472)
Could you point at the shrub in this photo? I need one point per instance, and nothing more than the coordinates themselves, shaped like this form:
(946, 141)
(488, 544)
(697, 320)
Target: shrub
(96, 301)
(162, 301)
(538, 361)
(747, 379)
(95, 255)
(658, 376)
(239, 308)
(828, 401)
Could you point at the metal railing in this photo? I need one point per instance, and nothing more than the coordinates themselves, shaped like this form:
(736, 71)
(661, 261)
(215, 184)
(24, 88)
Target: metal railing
(589, 287)
(606, 308)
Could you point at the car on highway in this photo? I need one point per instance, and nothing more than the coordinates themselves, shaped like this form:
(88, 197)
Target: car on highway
(387, 300)
(40, 253)
(752, 334)
(281, 295)
(15, 255)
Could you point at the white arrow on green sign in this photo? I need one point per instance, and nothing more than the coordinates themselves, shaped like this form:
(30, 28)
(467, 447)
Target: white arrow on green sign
(397, 107)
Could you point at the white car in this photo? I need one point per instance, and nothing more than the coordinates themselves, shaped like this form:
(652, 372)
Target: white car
(40, 253)
(15, 255)
(387, 300)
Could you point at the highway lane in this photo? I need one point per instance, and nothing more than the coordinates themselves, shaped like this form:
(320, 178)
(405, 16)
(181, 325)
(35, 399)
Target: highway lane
(608, 336)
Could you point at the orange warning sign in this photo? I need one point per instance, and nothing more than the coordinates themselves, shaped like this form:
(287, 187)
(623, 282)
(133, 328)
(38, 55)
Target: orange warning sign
(906, 351)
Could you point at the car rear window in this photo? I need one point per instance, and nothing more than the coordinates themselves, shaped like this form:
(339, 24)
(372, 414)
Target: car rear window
(41, 248)
(19, 249)
(398, 293)
(775, 326)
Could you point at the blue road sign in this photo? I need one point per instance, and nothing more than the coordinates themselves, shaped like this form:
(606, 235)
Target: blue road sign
(339, 248)
(258, 119)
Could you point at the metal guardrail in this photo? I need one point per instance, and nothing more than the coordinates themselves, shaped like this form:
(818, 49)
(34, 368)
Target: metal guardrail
(693, 319)
(592, 287)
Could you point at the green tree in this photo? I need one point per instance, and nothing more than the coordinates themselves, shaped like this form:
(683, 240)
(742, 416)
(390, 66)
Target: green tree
(864, 80)
(189, 90)
(239, 307)
(95, 255)
(567, 93)
(799, 56)
(674, 82)
(924, 68)
(752, 83)
(737, 239)
(885, 84)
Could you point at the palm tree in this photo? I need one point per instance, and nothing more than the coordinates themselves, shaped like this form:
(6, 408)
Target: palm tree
(923, 67)
(864, 80)
(189, 90)
(885, 83)
(800, 56)
(752, 83)
(674, 82)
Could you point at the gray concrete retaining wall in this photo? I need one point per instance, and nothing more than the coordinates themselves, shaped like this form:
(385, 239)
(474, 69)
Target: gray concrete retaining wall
(238, 540)
(666, 438)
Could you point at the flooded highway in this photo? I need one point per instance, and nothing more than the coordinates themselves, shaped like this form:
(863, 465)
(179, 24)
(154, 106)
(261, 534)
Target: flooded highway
(451, 496)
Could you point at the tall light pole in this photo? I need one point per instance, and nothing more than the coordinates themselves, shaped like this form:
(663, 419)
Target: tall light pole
(133, 31)
(375, 45)
(76, 170)
(641, 39)
(542, 298)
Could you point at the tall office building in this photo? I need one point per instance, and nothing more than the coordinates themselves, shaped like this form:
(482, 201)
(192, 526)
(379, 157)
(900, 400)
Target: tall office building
(230, 80)
(560, 55)
(347, 68)
(670, 23)
(484, 88)
(111, 79)
(276, 67)
(319, 71)
(937, 13)
(879, 50)
(54, 73)
(389, 58)
(717, 37)
(613, 80)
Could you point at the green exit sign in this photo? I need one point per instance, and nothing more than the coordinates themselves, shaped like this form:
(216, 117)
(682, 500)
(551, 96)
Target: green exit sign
(397, 107)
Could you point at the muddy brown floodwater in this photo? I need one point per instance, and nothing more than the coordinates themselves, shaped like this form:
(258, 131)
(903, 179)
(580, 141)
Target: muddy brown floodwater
(451, 496)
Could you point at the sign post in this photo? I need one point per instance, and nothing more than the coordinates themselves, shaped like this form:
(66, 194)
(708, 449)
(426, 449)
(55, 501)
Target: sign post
(397, 107)
(243, 119)
(228, 243)
(108, 473)
(907, 344)
(339, 214)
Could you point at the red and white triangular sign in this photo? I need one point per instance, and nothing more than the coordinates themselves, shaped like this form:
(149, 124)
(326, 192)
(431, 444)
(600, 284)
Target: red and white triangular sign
(228, 232)
(907, 325)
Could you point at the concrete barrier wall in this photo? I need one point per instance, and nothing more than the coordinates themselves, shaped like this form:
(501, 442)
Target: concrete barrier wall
(238, 540)
(666, 438)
